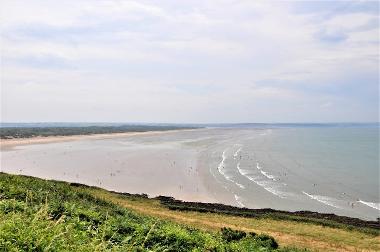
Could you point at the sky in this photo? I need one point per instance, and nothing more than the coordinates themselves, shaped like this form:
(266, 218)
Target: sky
(189, 61)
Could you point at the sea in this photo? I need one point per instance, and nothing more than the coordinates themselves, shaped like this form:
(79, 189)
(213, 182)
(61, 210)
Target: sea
(326, 168)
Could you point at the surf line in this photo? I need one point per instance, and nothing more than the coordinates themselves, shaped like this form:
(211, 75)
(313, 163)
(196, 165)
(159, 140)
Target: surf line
(267, 175)
(370, 204)
(246, 173)
(238, 200)
(221, 171)
(237, 153)
(321, 199)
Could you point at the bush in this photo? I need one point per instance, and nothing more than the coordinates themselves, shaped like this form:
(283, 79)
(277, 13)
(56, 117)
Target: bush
(229, 234)
(266, 241)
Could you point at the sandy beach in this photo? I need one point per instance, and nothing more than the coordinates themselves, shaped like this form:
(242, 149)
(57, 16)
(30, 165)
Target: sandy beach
(155, 169)
(9, 143)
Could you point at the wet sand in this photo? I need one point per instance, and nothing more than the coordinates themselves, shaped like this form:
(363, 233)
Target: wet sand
(119, 162)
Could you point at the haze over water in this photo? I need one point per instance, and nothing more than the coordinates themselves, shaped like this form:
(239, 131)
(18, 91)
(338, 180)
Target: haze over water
(318, 168)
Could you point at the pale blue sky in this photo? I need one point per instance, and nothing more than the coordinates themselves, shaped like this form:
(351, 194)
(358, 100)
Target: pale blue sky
(189, 61)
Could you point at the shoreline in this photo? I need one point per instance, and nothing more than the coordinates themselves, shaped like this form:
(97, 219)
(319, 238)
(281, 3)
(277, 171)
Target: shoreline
(6, 144)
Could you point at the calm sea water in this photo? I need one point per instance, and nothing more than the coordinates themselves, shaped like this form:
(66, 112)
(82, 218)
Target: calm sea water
(326, 169)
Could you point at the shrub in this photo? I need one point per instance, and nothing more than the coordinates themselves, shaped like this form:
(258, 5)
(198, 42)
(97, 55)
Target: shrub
(229, 234)
(266, 241)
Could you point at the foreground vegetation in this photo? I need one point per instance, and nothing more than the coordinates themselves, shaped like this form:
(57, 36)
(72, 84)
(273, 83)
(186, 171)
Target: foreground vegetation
(324, 219)
(39, 215)
(288, 229)
(26, 132)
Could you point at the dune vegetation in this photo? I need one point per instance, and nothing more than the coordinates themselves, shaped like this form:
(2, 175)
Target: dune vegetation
(27, 132)
(41, 215)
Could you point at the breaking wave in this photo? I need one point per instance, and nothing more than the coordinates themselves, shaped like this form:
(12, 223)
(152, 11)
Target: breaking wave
(267, 175)
(268, 186)
(221, 170)
(322, 199)
(371, 204)
(239, 201)
(237, 153)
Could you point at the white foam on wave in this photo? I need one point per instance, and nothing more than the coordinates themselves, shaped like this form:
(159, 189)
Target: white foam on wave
(267, 175)
(371, 204)
(237, 153)
(263, 184)
(239, 200)
(225, 175)
(258, 166)
(322, 199)
(221, 164)
(225, 187)
(240, 185)
(242, 171)
(219, 182)
(271, 189)
(221, 168)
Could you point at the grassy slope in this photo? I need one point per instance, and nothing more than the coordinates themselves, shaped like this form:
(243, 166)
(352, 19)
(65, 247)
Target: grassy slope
(39, 215)
(286, 232)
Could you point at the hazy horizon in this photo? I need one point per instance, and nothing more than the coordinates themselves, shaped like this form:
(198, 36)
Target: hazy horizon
(189, 62)
(192, 123)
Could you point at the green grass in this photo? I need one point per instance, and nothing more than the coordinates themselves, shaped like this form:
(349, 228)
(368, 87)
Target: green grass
(40, 215)
(327, 220)
(286, 231)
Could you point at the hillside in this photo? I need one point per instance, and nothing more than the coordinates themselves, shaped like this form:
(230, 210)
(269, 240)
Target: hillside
(42, 215)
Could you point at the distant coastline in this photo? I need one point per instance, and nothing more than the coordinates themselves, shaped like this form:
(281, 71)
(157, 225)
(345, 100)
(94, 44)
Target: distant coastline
(14, 136)
(12, 132)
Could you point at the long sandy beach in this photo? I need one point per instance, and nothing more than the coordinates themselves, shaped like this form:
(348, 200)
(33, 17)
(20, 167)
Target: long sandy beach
(9, 143)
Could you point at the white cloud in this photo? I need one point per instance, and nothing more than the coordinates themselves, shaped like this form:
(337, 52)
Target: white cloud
(121, 55)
